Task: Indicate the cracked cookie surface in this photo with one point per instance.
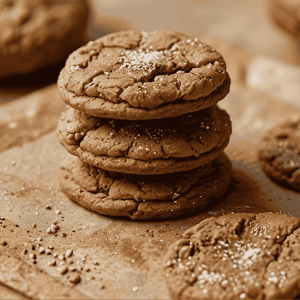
(34, 32)
(144, 197)
(237, 256)
(143, 75)
(279, 153)
(136, 146)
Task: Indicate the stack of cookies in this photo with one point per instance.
(143, 125)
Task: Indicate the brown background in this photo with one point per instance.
(130, 253)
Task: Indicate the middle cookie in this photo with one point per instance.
(146, 147)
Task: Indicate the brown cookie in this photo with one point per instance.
(144, 197)
(279, 153)
(39, 33)
(146, 147)
(286, 14)
(237, 256)
(143, 75)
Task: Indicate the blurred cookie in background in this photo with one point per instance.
(286, 14)
(39, 33)
(279, 153)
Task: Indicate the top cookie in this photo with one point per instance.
(143, 75)
(38, 33)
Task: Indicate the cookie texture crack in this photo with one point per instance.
(236, 256)
(145, 197)
(189, 136)
(279, 153)
(98, 106)
(177, 68)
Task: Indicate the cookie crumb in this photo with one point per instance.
(52, 262)
(69, 253)
(74, 278)
(62, 270)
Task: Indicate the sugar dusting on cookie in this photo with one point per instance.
(225, 263)
(141, 60)
(146, 70)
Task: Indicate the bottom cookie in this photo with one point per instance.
(148, 196)
(237, 256)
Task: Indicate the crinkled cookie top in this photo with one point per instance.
(145, 69)
(237, 256)
(141, 188)
(185, 136)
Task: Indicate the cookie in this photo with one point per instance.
(237, 256)
(146, 147)
(39, 33)
(144, 197)
(286, 14)
(279, 153)
(143, 75)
